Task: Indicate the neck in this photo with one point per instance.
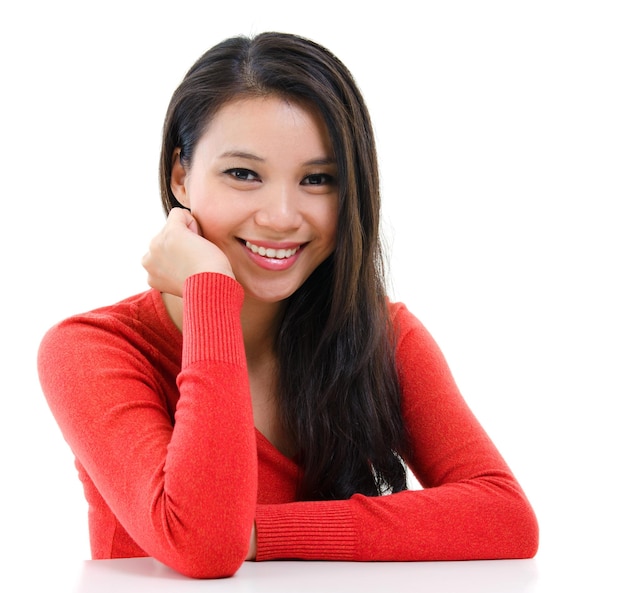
(259, 323)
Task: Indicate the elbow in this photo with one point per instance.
(209, 558)
(520, 534)
(217, 563)
(529, 533)
(210, 570)
(507, 526)
(212, 545)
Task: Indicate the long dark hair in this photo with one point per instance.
(338, 390)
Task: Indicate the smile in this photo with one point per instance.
(270, 252)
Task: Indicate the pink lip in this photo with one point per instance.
(274, 264)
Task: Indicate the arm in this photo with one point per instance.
(471, 506)
(185, 492)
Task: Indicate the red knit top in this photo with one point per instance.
(161, 425)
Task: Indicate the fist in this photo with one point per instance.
(179, 251)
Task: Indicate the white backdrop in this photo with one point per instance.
(501, 131)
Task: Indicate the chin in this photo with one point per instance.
(268, 299)
(269, 295)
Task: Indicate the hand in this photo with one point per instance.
(179, 251)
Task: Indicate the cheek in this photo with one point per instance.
(215, 230)
(215, 216)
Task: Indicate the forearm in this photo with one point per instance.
(481, 519)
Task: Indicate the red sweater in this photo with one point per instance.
(172, 466)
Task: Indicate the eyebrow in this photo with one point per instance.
(253, 157)
(240, 154)
(322, 161)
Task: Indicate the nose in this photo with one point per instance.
(279, 209)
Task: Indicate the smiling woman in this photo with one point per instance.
(264, 398)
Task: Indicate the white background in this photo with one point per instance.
(501, 131)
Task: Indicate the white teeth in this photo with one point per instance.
(270, 252)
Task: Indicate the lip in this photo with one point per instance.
(273, 264)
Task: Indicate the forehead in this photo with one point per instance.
(269, 123)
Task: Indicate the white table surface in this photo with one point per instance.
(139, 575)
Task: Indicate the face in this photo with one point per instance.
(262, 186)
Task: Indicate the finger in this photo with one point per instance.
(183, 216)
(194, 226)
(177, 215)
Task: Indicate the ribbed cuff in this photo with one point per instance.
(211, 323)
(306, 530)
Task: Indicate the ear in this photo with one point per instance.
(177, 180)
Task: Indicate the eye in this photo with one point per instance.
(242, 174)
(318, 179)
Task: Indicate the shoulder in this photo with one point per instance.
(416, 349)
(126, 316)
(406, 324)
(137, 325)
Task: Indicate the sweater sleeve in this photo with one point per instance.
(185, 491)
(470, 507)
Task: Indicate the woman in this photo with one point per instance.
(264, 398)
